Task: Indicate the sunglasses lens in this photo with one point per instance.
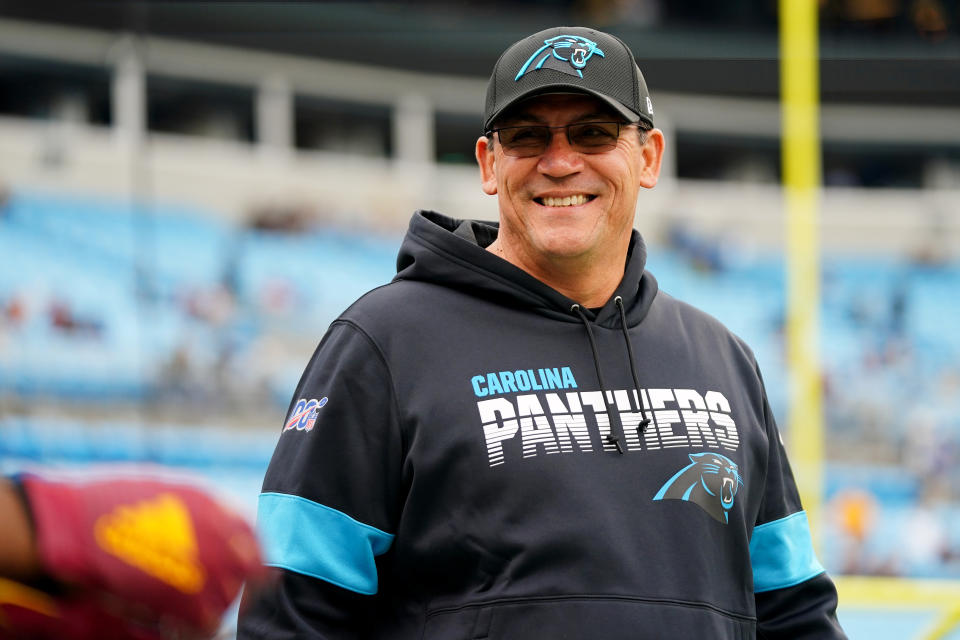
(524, 141)
(594, 136)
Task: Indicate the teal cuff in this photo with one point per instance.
(314, 540)
(782, 553)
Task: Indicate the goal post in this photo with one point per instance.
(800, 155)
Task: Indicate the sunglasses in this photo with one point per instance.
(533, 139)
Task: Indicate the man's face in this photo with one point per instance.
(536, 226)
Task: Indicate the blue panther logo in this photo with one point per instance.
(559, 52)
(711, 481)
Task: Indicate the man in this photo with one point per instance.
(117, 557)
(521, 436)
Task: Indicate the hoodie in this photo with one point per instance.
(471, 454)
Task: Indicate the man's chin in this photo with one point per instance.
(565, 247)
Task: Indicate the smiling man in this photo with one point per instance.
(522, 436)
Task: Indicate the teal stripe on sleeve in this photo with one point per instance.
(310, 538)
(782, 553)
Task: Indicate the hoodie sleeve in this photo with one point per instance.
(795, 598)
(330, 501)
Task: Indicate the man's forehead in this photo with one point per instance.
(570, 106)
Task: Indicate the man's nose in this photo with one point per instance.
(559, 159)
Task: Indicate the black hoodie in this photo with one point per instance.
(471, 454)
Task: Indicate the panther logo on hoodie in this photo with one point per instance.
(711, 481)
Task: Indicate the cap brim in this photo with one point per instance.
(628, 114)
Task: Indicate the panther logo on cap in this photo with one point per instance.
(567, 54)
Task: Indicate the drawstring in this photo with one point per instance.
(593, 344)
(611, 437)
(633, 368)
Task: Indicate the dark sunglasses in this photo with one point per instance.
(529, 140)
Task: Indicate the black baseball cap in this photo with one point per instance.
(569, 60)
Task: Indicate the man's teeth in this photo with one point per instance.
(566, 201)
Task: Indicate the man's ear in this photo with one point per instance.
(651, 155)
(488, 177)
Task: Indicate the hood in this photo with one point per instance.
(451, 253)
